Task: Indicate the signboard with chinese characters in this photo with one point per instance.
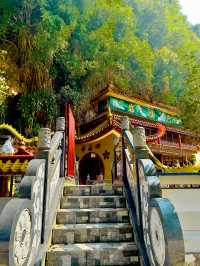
(137, 110)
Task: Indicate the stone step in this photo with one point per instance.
(93, 215)
(105, 189)
(90, 233)
(93, 254)
(84, 202)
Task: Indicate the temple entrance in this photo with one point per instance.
(91, 169)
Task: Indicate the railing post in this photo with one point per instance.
(125, 124)
(139, 137)
(44, 141)
(139, 143)
(60, 126)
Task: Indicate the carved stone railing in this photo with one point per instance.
(26, 222)
(156, 224)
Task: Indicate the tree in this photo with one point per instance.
(3, 83)
(190, 100)
(147, 48)
(104, 47)
(34, 32)
(4, 88)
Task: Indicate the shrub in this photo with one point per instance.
(37, 109)
(3, 110)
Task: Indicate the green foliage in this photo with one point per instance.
(103, 47)
(34, 32)
(3, 111)
(3, 82)
(147, 48)
(37, 109)
(190, 107)
(69, 95)
(4, 88)
(190, 100)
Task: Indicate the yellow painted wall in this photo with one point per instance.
(99, 147)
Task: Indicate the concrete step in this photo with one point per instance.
(93, 215)
(84, 202)
(105, 189)
(90, 233)
(93, 254)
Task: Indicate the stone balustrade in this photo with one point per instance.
(26, 221)
(165, 207)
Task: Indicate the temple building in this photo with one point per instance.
(98, 141)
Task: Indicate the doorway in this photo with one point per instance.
(90, 167)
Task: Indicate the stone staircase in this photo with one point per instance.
(92, 228)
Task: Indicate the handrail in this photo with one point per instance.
(131, 203)
(154, 219)
(36, 202)
(55, 142)
(135, 224)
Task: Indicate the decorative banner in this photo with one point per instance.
(71, 143)
(154, 114)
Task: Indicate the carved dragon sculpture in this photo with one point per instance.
(15, 133)
(195, 167)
